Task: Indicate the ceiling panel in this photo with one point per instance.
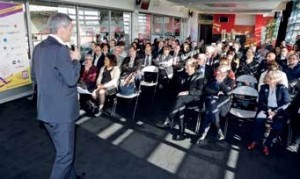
(232, 6)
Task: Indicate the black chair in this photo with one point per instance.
(135, 96)
(243, 107)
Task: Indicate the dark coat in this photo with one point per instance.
(194, 84)
(56, 76)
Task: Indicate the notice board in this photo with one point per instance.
(14, 61)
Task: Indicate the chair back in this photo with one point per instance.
(244, 102)
(247, 79)
(150, 68)
(150, 74)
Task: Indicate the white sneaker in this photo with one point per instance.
(220, 135)
(98, 113)
(293, 148)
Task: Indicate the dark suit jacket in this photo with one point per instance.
(194, 84)
(100, 62)
(125, 66)
(142, 58)
(282, 97)
(56, 76)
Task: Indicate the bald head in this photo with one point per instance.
(271, 57)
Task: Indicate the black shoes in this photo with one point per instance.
(164, 124)
(179, 137)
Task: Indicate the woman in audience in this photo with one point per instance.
(88, 74)
(249, 66)
(273, 100)
(107, 81)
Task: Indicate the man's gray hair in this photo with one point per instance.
(58, 20)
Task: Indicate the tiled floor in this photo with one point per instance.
(116, 148)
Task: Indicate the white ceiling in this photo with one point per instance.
(232, 6)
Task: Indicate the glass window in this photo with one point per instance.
(177, 25)
(120, 26)
(158, 27)
(103, 36)
(144, 21)
(168, 26)
(39, 15)
(89, 25)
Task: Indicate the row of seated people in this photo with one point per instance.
(124, 77)
(273, 106)
(268, 56)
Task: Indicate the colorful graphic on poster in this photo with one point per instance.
(14, 62)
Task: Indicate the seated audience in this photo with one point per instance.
(273, 66)
(88, 75)
(216, 92)
(273, 100)
(204, 70)
(248, 66)
(107, 81)
(191, 90)
(164, 63)
(130, 78)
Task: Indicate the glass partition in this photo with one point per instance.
(144, 21)
(120, 26)
(39, 15)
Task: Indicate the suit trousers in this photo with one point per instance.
(63, 139)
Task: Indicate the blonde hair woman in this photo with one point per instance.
(273, 100)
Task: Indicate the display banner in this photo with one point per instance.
(14, 62)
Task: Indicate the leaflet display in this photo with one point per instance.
(14, 61)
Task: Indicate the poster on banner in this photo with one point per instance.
(14, 61)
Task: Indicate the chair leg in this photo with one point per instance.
(198, 123)
(290, 135)
(152, 100)
(226, 126)
(135, 106)
(113, 110)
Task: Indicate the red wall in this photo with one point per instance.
(218, 26)
(259, 23)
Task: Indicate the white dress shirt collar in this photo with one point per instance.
(58, 39)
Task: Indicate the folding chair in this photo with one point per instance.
(247, 79)
(195, 109)
(150, 74)
(244, 105)
(130, 97)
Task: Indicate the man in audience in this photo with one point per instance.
(117, 53)
(216, 93)
(97, 62)
(191, 90)
(204, 70)
(212, 58)
(282, 59)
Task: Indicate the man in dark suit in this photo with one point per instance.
(190, 92)
(98, 61)
(204, 70)
(56, 70)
